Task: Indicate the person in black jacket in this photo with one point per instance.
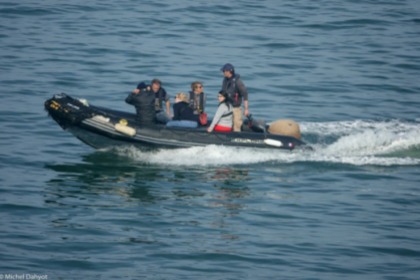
(144, 101)
(160, 97)
(182, 110)
(183, 114)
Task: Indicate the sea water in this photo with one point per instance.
(346, 71)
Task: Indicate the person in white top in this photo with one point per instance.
(223, 119)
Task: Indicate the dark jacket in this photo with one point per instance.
(236, 89)
(145, 106)
(160, 95)
(182, 111)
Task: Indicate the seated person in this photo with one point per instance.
(183, 114)
(197, 98)
(160, 97)
(223, 119)
(144, 101)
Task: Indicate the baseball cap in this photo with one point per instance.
(227, 67)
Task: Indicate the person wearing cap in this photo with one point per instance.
(222, 120)
(143, 99)
(237, 92)
(160, 97)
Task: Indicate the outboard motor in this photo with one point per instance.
(255, 125)
(67, 111)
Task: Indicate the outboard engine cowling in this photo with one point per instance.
(66, 110)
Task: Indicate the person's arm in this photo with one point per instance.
(246, 111)
(244, 93)
(130, 98)
(168, 107)
(167, 101)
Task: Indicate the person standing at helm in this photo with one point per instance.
(237, 92)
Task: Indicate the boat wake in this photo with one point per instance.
(382, 143)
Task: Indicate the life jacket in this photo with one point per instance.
(158, 99)
(235, 95)
(200, 105)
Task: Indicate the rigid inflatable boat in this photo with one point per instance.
(102, 128)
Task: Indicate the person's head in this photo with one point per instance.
(141, 86)
(197, 87)
(156, 84)
(228, 70)
(180, 96)
(222, 96)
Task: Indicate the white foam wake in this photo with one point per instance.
(350, 142)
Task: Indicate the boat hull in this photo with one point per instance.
(102, 128)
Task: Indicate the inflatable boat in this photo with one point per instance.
(102, 128)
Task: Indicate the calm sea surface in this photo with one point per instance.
(346, 70)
